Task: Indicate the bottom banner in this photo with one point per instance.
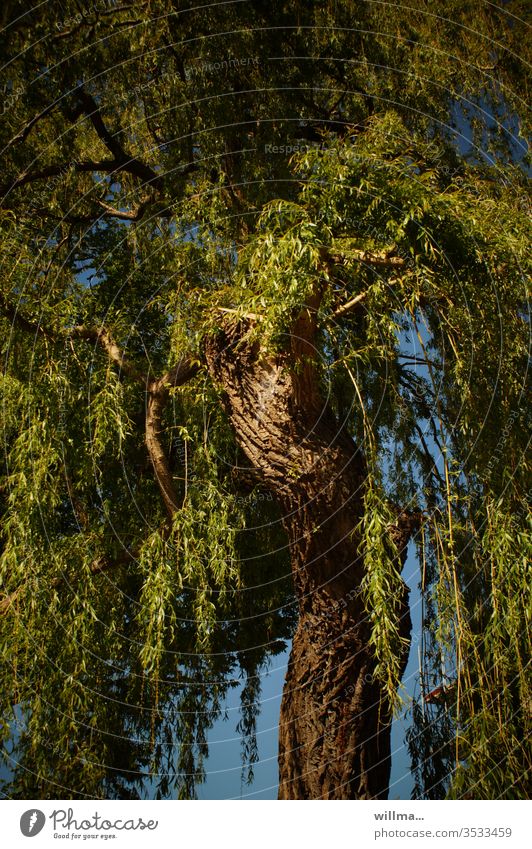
(229, 825)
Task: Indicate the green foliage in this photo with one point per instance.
(383, 592)
(494, 683)
(122, 632)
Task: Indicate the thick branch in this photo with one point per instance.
(406, 525)
(161, 467)
(108, 212)
(158, 393)
(92, 111)
(123, 159)
(252, 316)
(107, 165)
(15, 317)
(179, 374)
(383, 259)
(99, 336)
(350, 305)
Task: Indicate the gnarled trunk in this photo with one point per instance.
(334, 733)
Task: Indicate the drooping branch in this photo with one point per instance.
(157, 395)
(15, 317)
(99, 564)
(157, 390)
(100, 336)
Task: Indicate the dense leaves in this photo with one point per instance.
(168, 170)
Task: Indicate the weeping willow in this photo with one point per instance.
(144, 567)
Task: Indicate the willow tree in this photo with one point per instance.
(264, 313)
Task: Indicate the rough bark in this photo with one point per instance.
(334, 734)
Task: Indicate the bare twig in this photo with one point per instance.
(128, 215)
(349, 305)
(24, 133)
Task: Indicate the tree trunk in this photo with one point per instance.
(334, 732)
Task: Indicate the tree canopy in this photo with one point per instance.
(336, 194)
